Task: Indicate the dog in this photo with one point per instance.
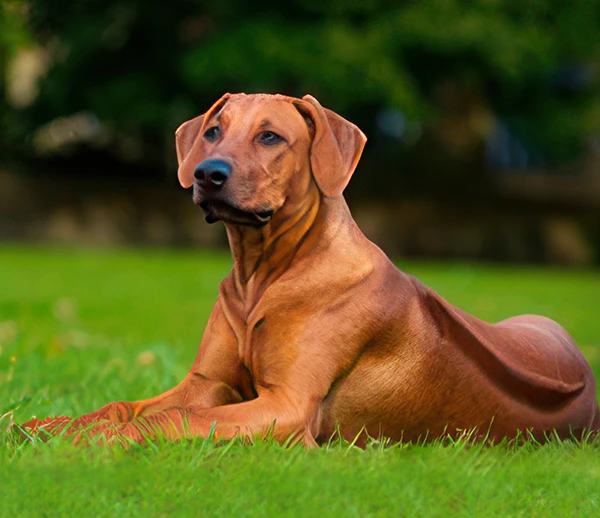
(315, 332)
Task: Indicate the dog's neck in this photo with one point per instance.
(261, 255)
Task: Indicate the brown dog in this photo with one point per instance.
(315, 330)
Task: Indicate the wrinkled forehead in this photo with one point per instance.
(272, 112)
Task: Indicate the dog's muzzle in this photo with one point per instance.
(217, 208)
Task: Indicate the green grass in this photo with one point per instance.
(81, 328)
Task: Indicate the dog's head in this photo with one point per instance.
(250, 154)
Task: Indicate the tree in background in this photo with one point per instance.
(430, 81)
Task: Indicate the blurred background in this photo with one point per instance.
(483, 117)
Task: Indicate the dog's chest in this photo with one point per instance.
(248, 345)
(265, 346)
(249, 330)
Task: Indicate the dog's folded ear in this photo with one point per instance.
(336, 147)
(185, 140)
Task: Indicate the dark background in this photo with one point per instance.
(483, 117)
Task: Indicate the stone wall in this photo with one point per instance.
(115, 212)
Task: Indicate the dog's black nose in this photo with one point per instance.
(212, 173)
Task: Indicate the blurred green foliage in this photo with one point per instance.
(142, 68)
(14, 33)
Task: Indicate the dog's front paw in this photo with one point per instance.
(43, 428)
(117, 412)
(107, 433)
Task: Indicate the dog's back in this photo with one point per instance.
(436, 369)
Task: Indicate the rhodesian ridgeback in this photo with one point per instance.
(315, 332)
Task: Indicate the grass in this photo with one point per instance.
(82, 328)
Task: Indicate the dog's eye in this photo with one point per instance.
(269, 138)
(212, 134)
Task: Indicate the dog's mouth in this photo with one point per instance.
(218, 210)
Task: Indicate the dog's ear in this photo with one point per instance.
(185, 138)
(336, 147)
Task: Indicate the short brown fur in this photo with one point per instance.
(315, 330)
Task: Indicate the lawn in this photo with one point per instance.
(79, 328)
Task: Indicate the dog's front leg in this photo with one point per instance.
(211, 381)
(195, 390)
(271, 415)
